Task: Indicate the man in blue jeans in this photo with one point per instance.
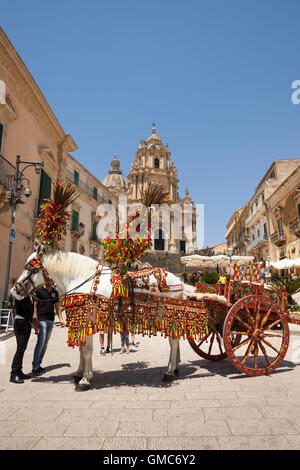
(46, 299)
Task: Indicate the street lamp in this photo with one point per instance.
(14, 195)
(268, 270)
(230, 251)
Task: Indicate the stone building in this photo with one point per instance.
(28, 128)
(285, 218)
(236, 234)
(257, 228)
(219, 249)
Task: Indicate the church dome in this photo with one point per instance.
(115, 181)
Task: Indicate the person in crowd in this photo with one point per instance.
(46, 303)
(223, 278)
(23, 322)
(132, 332)
(103, 351)
(124, 342)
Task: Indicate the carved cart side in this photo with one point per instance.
(251, 328)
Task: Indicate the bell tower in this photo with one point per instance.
(152, 165)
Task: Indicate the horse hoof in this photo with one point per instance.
(82, 387)
(168, 378)
(75, 379)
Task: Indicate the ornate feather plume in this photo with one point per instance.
(54, 217)
(133, 239)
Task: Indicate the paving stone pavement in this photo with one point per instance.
(210, 406)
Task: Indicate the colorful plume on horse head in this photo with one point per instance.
(134, 238)
(54, 217)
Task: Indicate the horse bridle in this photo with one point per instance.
(35, 264)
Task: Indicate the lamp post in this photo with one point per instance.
(14, 195)
(230, 251)
(268, 270)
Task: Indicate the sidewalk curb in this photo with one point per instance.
(6, 335)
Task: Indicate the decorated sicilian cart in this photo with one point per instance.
(250, 326)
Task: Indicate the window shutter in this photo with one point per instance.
(1, 135)
(76, 178)
(280, 229)
(95, 193)
(95, 230)
(74, 220)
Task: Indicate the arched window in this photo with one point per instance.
(156, 163)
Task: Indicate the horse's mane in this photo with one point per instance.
(69, 264)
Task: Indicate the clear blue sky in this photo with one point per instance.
(215, 76)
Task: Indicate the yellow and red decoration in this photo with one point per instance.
(171, 317)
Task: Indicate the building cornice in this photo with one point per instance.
(288, 184)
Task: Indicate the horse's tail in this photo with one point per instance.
(188, 291)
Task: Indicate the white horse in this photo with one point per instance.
(69, 270)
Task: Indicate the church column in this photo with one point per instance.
(136, 187)
(172, 244)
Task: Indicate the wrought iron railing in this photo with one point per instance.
(278, 239)
(7, 172)
(263, 238)
(295, 226)
(84, 187)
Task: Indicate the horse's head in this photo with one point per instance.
(31, 275)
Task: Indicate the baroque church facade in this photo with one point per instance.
(152, 164)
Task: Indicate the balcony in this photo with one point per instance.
(85, 188)
(295, 227)
(278, 239)
(255, 210)
(7, 172)
(258, 242)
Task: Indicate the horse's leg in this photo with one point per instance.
(170, 374)
(87, 351)
(80, 371)
(176, 372)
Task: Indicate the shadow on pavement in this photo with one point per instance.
(139, 374)
(135, 374)
(226, 369)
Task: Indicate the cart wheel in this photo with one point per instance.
(264, 335)
(211, 343)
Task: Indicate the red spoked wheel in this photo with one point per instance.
(211, 346)
(264, 335)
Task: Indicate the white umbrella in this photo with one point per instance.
(238, 260)
(296, 263)
(212, 261)
(284, 263)
(198, 261)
